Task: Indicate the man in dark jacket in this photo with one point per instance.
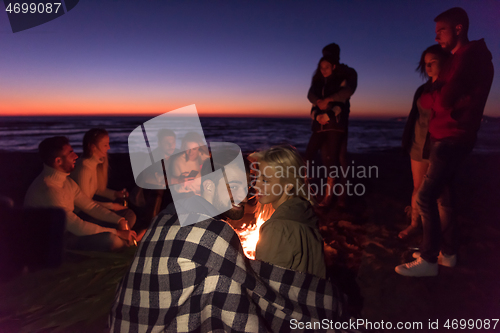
(330, 113)
(346, 77)
(458, 104)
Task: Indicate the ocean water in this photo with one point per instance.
(251, 134)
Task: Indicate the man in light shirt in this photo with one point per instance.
(53, 188)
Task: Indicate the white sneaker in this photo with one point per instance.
(418, 267)
(443, 259)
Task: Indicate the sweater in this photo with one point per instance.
(464, 84)
(53, 188)
(85, 175)
(291, 239)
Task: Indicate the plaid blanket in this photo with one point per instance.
(196, 279)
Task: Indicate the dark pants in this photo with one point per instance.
(333, 146)
(436, 199)
(156, 201)
(102, 242)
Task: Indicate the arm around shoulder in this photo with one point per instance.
(311, 95)
(348, 86)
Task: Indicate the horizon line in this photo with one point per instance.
(210, 115)
(200, 115)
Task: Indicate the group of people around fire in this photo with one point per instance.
(195, 277)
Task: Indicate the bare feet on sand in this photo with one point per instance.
(409, 231)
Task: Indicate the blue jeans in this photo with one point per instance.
(436, 199)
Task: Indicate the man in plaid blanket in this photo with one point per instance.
(196, 278)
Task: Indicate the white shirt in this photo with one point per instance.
(85, 175)
(53, 188)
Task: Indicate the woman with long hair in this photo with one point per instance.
(91, 173)
(290, 238)
(416, 136)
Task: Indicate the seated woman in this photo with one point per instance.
(186, 166)
(290, 238)
(91, 173)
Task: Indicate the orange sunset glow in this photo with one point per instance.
(263, 107)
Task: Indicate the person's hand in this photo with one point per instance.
(323, 119)
(117, 207)
(326, 119)
(320, 119)
(337, 110)
(185, 177)
(322, 104)
(160, 179)
(127, 235)
(123, 194)
(122, 224)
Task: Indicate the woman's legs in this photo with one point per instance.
(102, 242)
(333, 153)
(343, 165)
(418, 171)
(315, 143)
(333, 146)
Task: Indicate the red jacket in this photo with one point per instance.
(463, 87)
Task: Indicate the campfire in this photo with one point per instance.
(249, 233)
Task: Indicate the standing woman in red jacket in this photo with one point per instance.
(416, 134)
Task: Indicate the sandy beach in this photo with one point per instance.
(364, 248)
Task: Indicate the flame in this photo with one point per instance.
(249, 234)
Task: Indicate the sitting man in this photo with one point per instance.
(166, 144)
(164, 151)
(190, 273)
(152, 193)
(53, 188)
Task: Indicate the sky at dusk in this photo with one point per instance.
(227, 57)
